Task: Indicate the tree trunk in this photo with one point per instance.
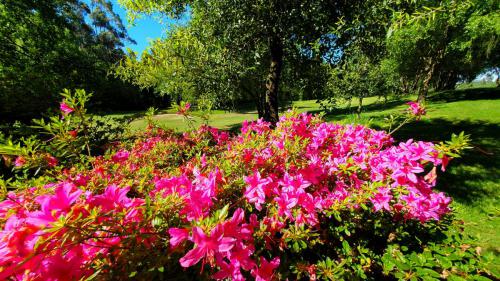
(497, 81)
(178, 99)
(260, 105)
(422, 94)
(447, 81)
(360, 107)
(272, 85)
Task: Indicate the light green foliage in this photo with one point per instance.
(441, 42)
(186, 66)
(244, 44)
(358, 78)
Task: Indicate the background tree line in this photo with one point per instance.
(48, 45)
(265, 51)
(242, 53)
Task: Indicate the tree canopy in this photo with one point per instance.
(444, 42)
(48, 45)
(257, 44)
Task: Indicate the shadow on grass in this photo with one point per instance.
(473, 177)
(466, 94)
(438, 97)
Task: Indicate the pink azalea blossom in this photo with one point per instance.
(256, 189)
(272, 180)
(266, 270)
(177, 236)
(416, 109)
(121, 156)
(381, 199)
(207, 246)
(20, 161)
(65, 109)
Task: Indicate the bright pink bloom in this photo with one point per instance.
(65, 195)
(207, 246)
(381, 199)
(177, 236)
(121, 156)
(20, 161)
(256, 189)
(229, 271)
(66, 109)
(416, 109)
(266, 270)
(114, 198)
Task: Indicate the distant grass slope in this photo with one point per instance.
(473, 180)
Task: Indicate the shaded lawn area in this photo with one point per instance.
(473, 180)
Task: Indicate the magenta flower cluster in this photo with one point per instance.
(416, 109)
(232, 200)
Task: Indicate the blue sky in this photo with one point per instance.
(142, 31)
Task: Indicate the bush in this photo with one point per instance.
(62, 140)
(307, 199)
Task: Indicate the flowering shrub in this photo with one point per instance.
(66, 138)
(416, 109)
(307, 199)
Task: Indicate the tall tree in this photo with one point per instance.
(441, 42)
(270, 30)
(48, 45)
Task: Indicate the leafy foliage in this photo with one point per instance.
(64, 139)
(247, 49)
(307, 199)
(443, 42)
(48, 45)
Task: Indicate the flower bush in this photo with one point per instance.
(64, 139)
(307, 199)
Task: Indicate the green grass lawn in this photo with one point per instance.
(473, 180)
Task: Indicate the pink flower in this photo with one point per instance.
(81, 180)
(65, 109)
(381, 199)
(230, 271)
(256, 189)
(207, 246)
(266, 270)
(51, 161)
(285, 204)
(113, 198)
(416, 109)
(73, 133)
(177, 236)
(20, 161)
(120, 156)
(52, 206)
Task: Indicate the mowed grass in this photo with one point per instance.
(473, 181)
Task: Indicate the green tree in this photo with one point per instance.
(442, 42)
(264, 37)
(48, 45)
